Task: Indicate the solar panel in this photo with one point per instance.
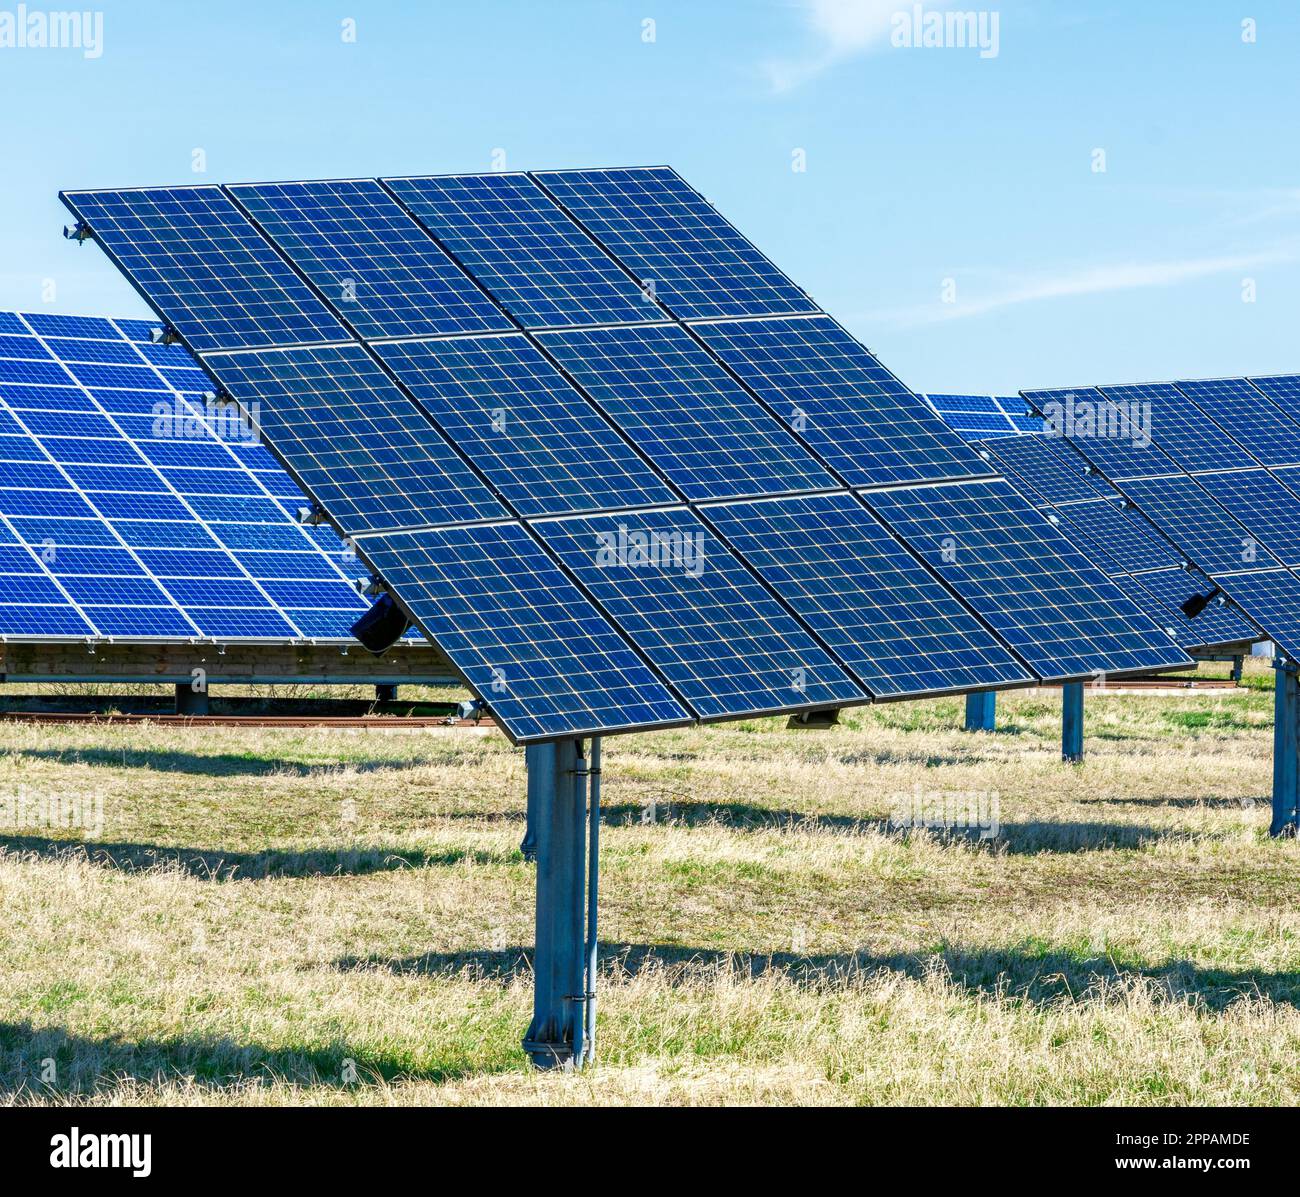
(543, 269)
(1046, 465)
(1267, 433)
(85, 518)
(675, 242)
(1198, 525)
(363, 449)
(1115, 435)
(686, 413)
(1271, 600)
(1214, 626)
(374, 264)
(1179, 427)
(538, 440)
(195, 254)
(900, 631)
(520, 632)
(1123, 536)
(1270, 510)
(845, 404)
(1041, 595)
(1283, 390)
(388, 438)
(693, 609)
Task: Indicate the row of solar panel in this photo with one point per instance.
(129, 508)
(980, 416)
(409, 446)
(1212, 465)
(1094, 518)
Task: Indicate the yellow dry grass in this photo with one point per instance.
(271, 917)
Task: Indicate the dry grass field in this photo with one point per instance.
(271, 917)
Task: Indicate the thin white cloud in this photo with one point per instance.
(1096, 280)
(841, 29)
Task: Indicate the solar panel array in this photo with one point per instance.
(130, 508)
(636, 502)
(1094, 517)
(1210, 464)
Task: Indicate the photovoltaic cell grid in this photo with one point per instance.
(1137, 559)
(527, 254)
(1235, 519)
(292, 388)
(536, 438)
(978, 416)
(194, 253)
(130, 509)
(379, 269)
(1040, 594)
(898, 629)
(675, 243)
(686, 413)
(857, 416)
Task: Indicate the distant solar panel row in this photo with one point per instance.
(1210, 464)
(979, 416)
(585, 433)
(1091, 514)
(130, 509)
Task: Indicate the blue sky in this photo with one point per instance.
(926, 168)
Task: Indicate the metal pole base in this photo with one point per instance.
(558, 774)
(982, 712)
(815, 720)
(1286, 752)
(1072, 723)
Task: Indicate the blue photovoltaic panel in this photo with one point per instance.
(375, 265)
(673, 240)
(197, 256)
(1266, 432)
(1114, 435)
(520, 632)
(985, 405)
(123, 495)
(1215, 625)
(899, 630)
(1047, 465)
(538, 440)
(843, 402)
(1060, 613)
(692, 608)
(1198, 525)
(1270, 510)
(1282, 390)
(539, 265)
(1123, 536)
(686, 413)
(1179, 427)
(1270, 599)
(369, 456)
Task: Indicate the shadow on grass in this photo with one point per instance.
(248, 866)
(1015, 839)
(227, 764)
(1024, 974)
(84, 1064)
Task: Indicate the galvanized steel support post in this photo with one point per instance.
(563, 960)
(1072, 723)
(982, 712)
(1286, 751)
